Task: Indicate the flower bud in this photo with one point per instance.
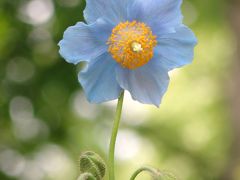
(93, 164)
(162, 175)
(168, 176)
(86, 176)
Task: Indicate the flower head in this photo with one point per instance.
(128, 45)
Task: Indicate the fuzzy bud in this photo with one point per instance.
(86, 176)
(92, 164)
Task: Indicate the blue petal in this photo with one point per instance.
(160, 15)
(114, 11)
(177, 49)
(99, 79)
(83, 42)
(146, 84)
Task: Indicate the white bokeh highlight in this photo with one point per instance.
(37, 12)
(25, 125)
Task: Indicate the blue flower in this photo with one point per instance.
(128, 45)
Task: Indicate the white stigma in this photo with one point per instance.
(136, 47)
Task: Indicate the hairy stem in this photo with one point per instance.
(150, 170)
(114, 137)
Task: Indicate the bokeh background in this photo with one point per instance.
(46, 122)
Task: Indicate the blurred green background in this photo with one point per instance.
(46, 122)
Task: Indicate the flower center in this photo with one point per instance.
(131, 44)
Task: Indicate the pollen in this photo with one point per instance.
(131, 44)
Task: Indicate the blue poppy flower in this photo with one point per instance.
(128, 45)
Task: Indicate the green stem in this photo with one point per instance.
(114, 136)
(152, 171)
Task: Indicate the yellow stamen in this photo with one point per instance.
(131, 44)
